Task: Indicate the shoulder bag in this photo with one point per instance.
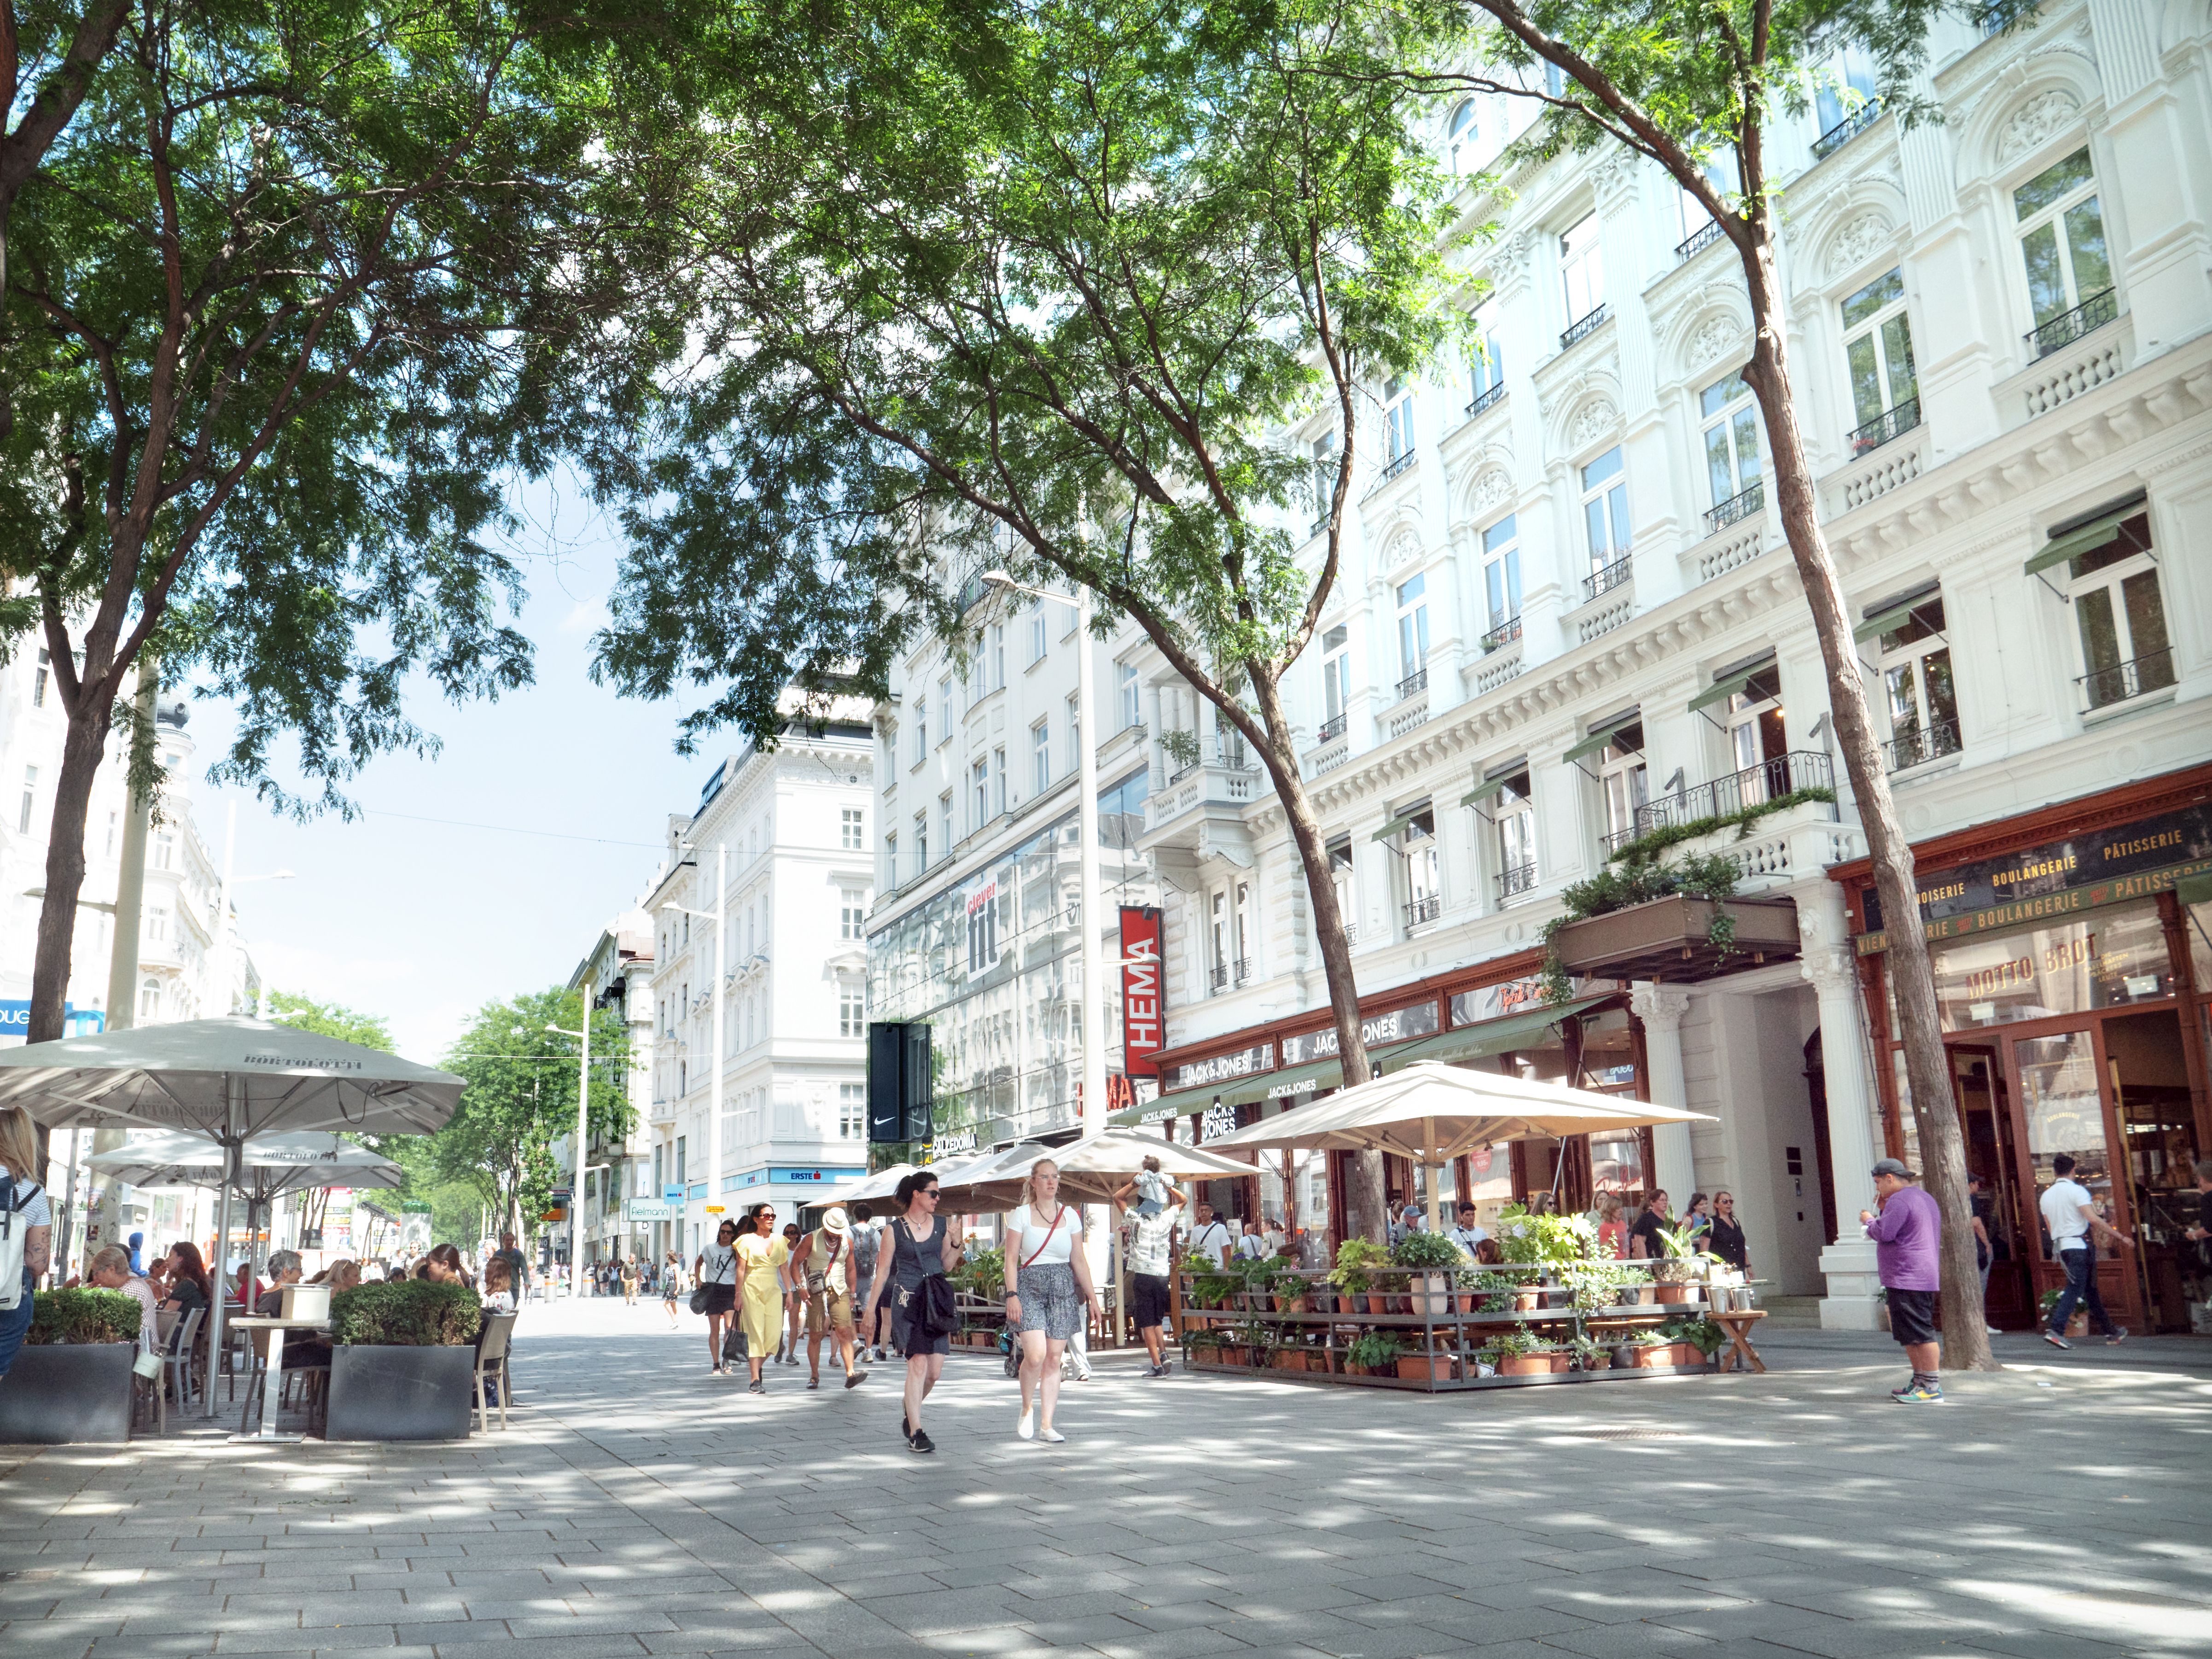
(931, 1308)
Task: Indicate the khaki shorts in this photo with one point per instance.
(829, 1309)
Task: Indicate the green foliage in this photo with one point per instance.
(406, 1312)
(1357, 1259)
(1420, 1248)
(1531, 1239)
(1647, 847)
(1376, 1350)
(331, 1019)
(1638, 881)
(88, 1314)
(1512, 1342)
(982, 1273)
(1678, 1243)
(1182, 746)
(1702, 1334)
(1598, 1283)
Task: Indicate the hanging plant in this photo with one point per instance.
(1633, 881)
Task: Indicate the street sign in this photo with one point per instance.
(556, 1214)
(413, 1206)
(713, 1209)
(649, 1209)
(559, 1193)
(673, 1193)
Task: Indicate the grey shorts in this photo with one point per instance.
(1051, 1301)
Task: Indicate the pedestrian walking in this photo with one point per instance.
(630, 1281)
(1250, 1245)
(1908, 1237)
(2201, 1234)
(1212, 1238)
(867, 1239)
(825, 1265)
(716, 1270)
(671, 1286)
(793, 1293)
(2069, 1214)
(1698, 1220)
(1725, 1238)
(1982, 1212)
(763, 1264)
(518, 1264)
(1151, 1262)
(27, 1227)
(920, 1244)
(1048, 1293)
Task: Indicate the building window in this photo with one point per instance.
(149, 999)
(1581, 265)
(114, 820)
(157, 924)
(921, 841)
(39, 679)
(1605, 511)
(852, 913)
(1622, 779)
(852, 1009)
(1246, 959)
(1039, 639)
(1485, 367)
(1878, 353)
(1218, 927)
(2061, 244)
(944, 824)
(1413, 633)
(1397, 424)
(1417, 856)
(945, 709)
(679, 1160)
(1730, 420)
(1340, 879)
(1335, 682)
(1501, 582)
(979, 780)
(1462, 136)
(1915, 680)
(30, 800)
(1324, 477)
(1126, 686)
(1845, 87)
(1515, 820)
(852, 828)
(1040, 757)
(1074, 732)
(998, 781)
(998, 656)
(851, 1110)
(920, 730)
(2119, 615)
(1759, 744)
(890, 857)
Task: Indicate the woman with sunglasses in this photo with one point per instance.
(922, 1242)
(1725, 1239)
(715, 1272)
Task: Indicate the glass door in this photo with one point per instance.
(1977, 1084)
(2058, 1080)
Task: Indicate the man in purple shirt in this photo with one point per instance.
(1907, 1235)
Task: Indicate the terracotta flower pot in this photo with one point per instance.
(1677, 1295)
(1600, 1361)
(1654, 1356)
(1467, 1301)
(1428, 1367)
(1524, 1365)
(1560, 1362)
(1528, 1299)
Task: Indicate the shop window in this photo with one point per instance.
(1501, 583)
(1623, 781)
(2064, 1111)
(2119, 618)
(1581, 273)
(1757, 744)
(1419, 873)
(2061, 247)
(1605, 516)
(1412, 636)
(2116, 958)
(1915, 664)
(1335, 682)
(1729, 417)
(1878, 357)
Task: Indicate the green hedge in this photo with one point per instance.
(407, 1313)
(84, 1315)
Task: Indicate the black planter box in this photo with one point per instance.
(68, 1394)
(401, 1394)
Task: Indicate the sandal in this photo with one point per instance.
(813, 1382)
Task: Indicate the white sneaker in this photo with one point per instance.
(1026, 1429)
(1051, 1437)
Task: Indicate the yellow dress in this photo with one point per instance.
(763, 1308)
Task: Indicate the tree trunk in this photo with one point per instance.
(1943, 1144)
(1366, 1200)
(84, 745)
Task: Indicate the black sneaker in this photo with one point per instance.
(2056, 1341)
(921, 1442)
(853, 1379)
(2117, 1337)
(906, 1428)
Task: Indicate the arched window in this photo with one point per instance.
(149, 999)
(1459, 140)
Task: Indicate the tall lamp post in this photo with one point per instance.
(583, 1144)
(1086, 765)
(720, 918)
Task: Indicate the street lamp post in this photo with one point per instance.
(721, 920)
(583, 1143)
(223, 906)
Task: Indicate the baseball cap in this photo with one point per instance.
(1890, 1166)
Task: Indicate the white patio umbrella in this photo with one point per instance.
(884, 1183)
(230, 1080)
(1431, 1112)
(1090, 1168)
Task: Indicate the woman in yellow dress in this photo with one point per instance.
(761, 1252)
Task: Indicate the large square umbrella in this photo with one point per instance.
(1090, 1168)
(1431, 1112)
(229, 1080)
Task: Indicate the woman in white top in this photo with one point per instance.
(29, 1211)
(1048, 1289)
(715, 1271)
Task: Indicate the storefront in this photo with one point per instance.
(1492, 1017)
(2072, 960)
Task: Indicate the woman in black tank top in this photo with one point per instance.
(921, 1244)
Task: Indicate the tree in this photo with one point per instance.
(521, 1094)
(331, 1019)
(1035, 288)
(1684, 83)
(288, 294)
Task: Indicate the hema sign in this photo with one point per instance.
(1143, 1024)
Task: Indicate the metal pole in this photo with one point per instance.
(222, 1240)
(583, 1141)
(1094, 972)
(130, 877)
(714, 1074)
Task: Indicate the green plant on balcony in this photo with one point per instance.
(1180, 746)
(1636, 881)
(1357, 1260)
(1648, 846)
(1375, 1350)
(1427, 1250)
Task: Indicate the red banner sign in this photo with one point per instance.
(1144, 1029)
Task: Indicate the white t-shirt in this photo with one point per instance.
(38, 1212)
(2062, 1204)
(1466, 1238)
(718, 1265)
(1211, 1240)
(1152, 1243)
(1250, 1247)
(1033, 1241)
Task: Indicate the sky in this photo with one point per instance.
(423, 922)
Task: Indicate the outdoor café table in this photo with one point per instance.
(267, 1322)
(1737, 1323)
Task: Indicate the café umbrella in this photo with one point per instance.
(1091, 1169)
(1430, 1112)
(231, 1079)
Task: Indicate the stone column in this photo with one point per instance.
(1660, 1009)
(1828, 964)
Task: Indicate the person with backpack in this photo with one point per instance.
(27, 1228)
(925, 1248)
(823, 1263)
(1048, 1292)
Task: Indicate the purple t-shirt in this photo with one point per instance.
(1906, 1235)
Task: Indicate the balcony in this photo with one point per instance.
(1414, 684)
(2102, 689)
(1201, 811)
(1846, 129)
(1583, 327)
(1502, 635)
(1512, 883)
(1890, 424)
(1487, 400)
(1698, 240)
(1243, 970)
(1736, 508)
(1217, 977)
(1918, 748)
(2067, 327)
(1724, 796)
(1331, 729)
(973, 591)
(1424, 910)
(1609, 577)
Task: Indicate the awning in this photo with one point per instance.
(1602, 734)
(1229, 1091)
(1491, 1036)
(1729, 684)
(1892, 617)
(2194, 890)
(1486, 789)
(1402, 823)
(2085, 539)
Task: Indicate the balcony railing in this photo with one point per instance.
(1486, 399)
(1770, 780)
(1424, 910)
(1606, 579)
(1331, 729)
(1890, 423)
(2067, 327)
(1244, 967)
(1911, 749)
(1217, 976)
(1736, 507)
(1699, 240)
(1846, 129)
(1521, 879)
(2152, 671)
(1583, 327)
(973, 591)
(1182, 772)
(1414, 684)
(1319, 522)
(1504, 634)
(1397, 465)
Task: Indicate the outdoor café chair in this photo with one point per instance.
(176, 1352)
(491, 1361)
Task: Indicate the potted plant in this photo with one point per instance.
(1591, 1355)
(403, 1361)
(1701, 1336)
(1436, 1257)
(1516, 1352)
(1437, 1365)
(1674, 1273)
(2077, 1325)
(1203, 1346)
(1372, 1354)
(1357, 1260)
(1655, 1350)
(70, 1382)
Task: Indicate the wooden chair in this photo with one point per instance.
(491, 1361)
